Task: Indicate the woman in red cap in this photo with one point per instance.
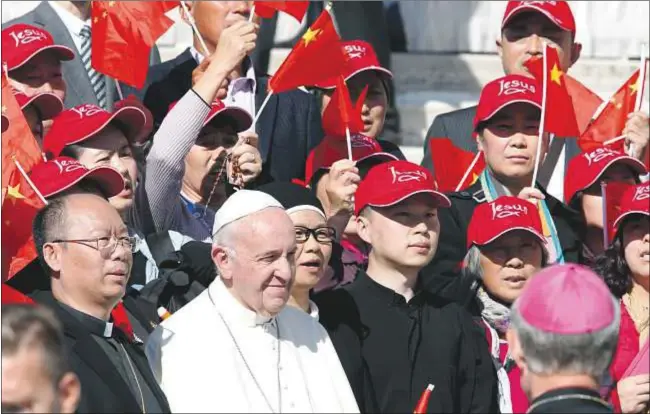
(507, 129)
(625, 266)
(582, 191)
(38, 108)
(506, 249)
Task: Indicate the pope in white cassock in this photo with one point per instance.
(237, 347)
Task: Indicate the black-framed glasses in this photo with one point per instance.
(104, 245)
(321, 234)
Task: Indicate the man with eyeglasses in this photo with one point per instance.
(85, 248)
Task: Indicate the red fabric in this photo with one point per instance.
(360, 57)
(559, 115)
(634, 200)
(18, 140)
(13, 296)
(611, 120)
(316, 57)
(612, 199)
(505, 91)
(267, 9)
(450, 164)
(626, 350)
(121, 320)
(19, 206)
(340, 114)
(559, 12)
(123, 33)
(585, 102)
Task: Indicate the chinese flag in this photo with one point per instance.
(611, 120)
(123, 33)
(612, 195)
(316, 57)
(17, 141)
(12, 296)
(585, 102)
(340, 114)
(559, 115)
(121, 320)
(267, 9)
(450, 164)
(19, 206)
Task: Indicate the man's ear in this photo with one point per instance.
(363, 227)
(576, 50)
(52, 255)
(222, 260)
(69, 393)
(499, 44)
(514, 346)
(479, 142)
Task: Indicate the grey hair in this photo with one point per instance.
(35, 327)
(472, 263)
(547, 353)
(225, 237)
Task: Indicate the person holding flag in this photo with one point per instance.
(582, 188)
(625, 267)
(288, 127)
(506, 125)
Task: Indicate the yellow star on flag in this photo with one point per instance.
(14, 192)
(310, 36)
(4, 109)
(474, 178)
(104, 14)
(634, 87)
(556, 75)
(111, 3)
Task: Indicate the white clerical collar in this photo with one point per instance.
(313, 310)
(232, 309)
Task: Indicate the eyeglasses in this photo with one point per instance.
(321, 234)
(105, 245)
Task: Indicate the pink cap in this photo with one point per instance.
(567, 300)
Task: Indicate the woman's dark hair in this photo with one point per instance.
(613, 268)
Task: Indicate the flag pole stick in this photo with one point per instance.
(119, 89)
(250, 18)
(206, 52)
(640, 83)
(30, 182)
(259, 112)
(349, 142)
(471, 167)
(603, 189)
(541, 121)
(614, 140)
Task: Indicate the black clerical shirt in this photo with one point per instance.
(114, 342)
(391, 350)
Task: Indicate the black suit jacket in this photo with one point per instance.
(102, 388)
(288, 129)
(79, 88)
(441, 276)
(458, 126)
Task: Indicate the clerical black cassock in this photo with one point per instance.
(391, 350)
(113, 370)
(570, 400)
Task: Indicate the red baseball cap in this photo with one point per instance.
(392, 182)
(243, 120)
(21, 42)
(505, 214)
(360, 57)
(332, 149)
(559, 12)
(48, 104)
(567, 299)
(635, 200)
(59, 174)
(585, 169)
(505, 91)
(82, 122)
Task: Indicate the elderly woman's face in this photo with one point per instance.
(508, 263)
(636, 245)
(312, 255)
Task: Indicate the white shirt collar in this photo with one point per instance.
(313, 310)
(73, 23)
(231, 309)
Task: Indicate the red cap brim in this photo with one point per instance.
(440, 198)
(243, 120)
(331, 83)
(64, 53)
(48, 105)
(533, 7)
(506, 231)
